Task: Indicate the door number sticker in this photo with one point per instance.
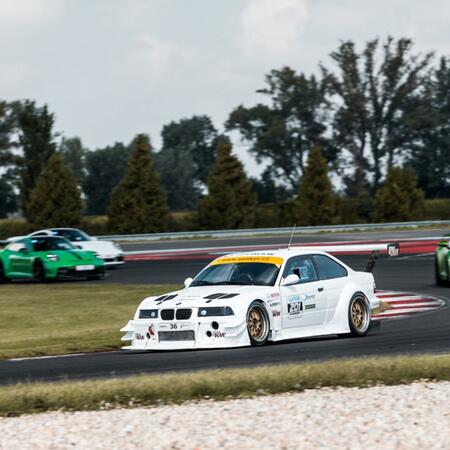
(295, 306)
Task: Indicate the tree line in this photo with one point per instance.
(365, 140)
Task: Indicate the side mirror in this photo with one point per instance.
(187, 282)
(290, 280)
(79, 247)
(23, 249)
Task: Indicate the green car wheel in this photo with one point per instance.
(439, 280)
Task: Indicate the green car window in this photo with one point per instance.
(43, 244)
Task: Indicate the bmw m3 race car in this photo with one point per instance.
(251, 298)
(46, 258)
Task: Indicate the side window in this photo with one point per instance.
(329, 268)
(302, 266)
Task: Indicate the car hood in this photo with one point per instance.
(70, 256)
(200, 296)
(101, 247)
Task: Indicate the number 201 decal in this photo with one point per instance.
(295, 308)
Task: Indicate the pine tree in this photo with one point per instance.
(316, 202)
(230, 202)
(399, 198)
(138, 204)
(55, 200)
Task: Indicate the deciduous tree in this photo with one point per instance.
(372, 90)
(105, 168)
(282, 133)
(37, 144)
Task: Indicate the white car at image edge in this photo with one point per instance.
(251, 298)
(110, 252)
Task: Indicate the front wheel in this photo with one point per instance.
(258, 326)
(38, 272)
(439, 280)
(359, 315)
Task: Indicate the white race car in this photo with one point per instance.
(110, 252)
(251, 298)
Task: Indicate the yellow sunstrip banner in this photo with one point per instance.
(249, 259)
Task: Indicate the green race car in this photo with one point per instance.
(48, 258)
(442, 263)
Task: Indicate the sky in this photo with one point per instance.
(110, 69)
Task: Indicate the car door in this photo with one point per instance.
(303, 304)
(19, 259)
(333, 277)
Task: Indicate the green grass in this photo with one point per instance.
(56, 319)
(148, 390)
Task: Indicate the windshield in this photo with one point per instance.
(44, 244)
(259, 274)
(71, 234)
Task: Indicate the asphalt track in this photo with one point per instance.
(425, 333)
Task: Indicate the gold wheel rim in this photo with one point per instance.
(358, 314)
(255, 324)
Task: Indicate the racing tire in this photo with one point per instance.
(38, 272)
(3, 278)
(359, 315)
(439, 280)
(258, 324)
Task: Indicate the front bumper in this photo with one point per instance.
(72, 273)
(111, 261)
(145, 334)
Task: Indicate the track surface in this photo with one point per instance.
(426, 333)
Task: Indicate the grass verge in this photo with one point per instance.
(148, 390)
(51, 319)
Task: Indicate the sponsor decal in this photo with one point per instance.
(275, 294)
(273, 304)
(310, 306)
(276, 313)
(151, 332)
(295, 306)
(139, 337)
(248, 259)
(219, 334)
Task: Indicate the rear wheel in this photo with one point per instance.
(359, 315)
(3, 277)
(38, 272)
(258, 326)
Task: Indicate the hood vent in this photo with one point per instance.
(163, 298)
(213, 296)
(219, 296)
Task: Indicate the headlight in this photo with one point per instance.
(215, 311)
(52, 257)
(148, 314)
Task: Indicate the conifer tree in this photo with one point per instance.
(399, 198)
(230, 202)
(55, 200)
(316, 202)
(138, 204)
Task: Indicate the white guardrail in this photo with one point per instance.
(273, 231)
